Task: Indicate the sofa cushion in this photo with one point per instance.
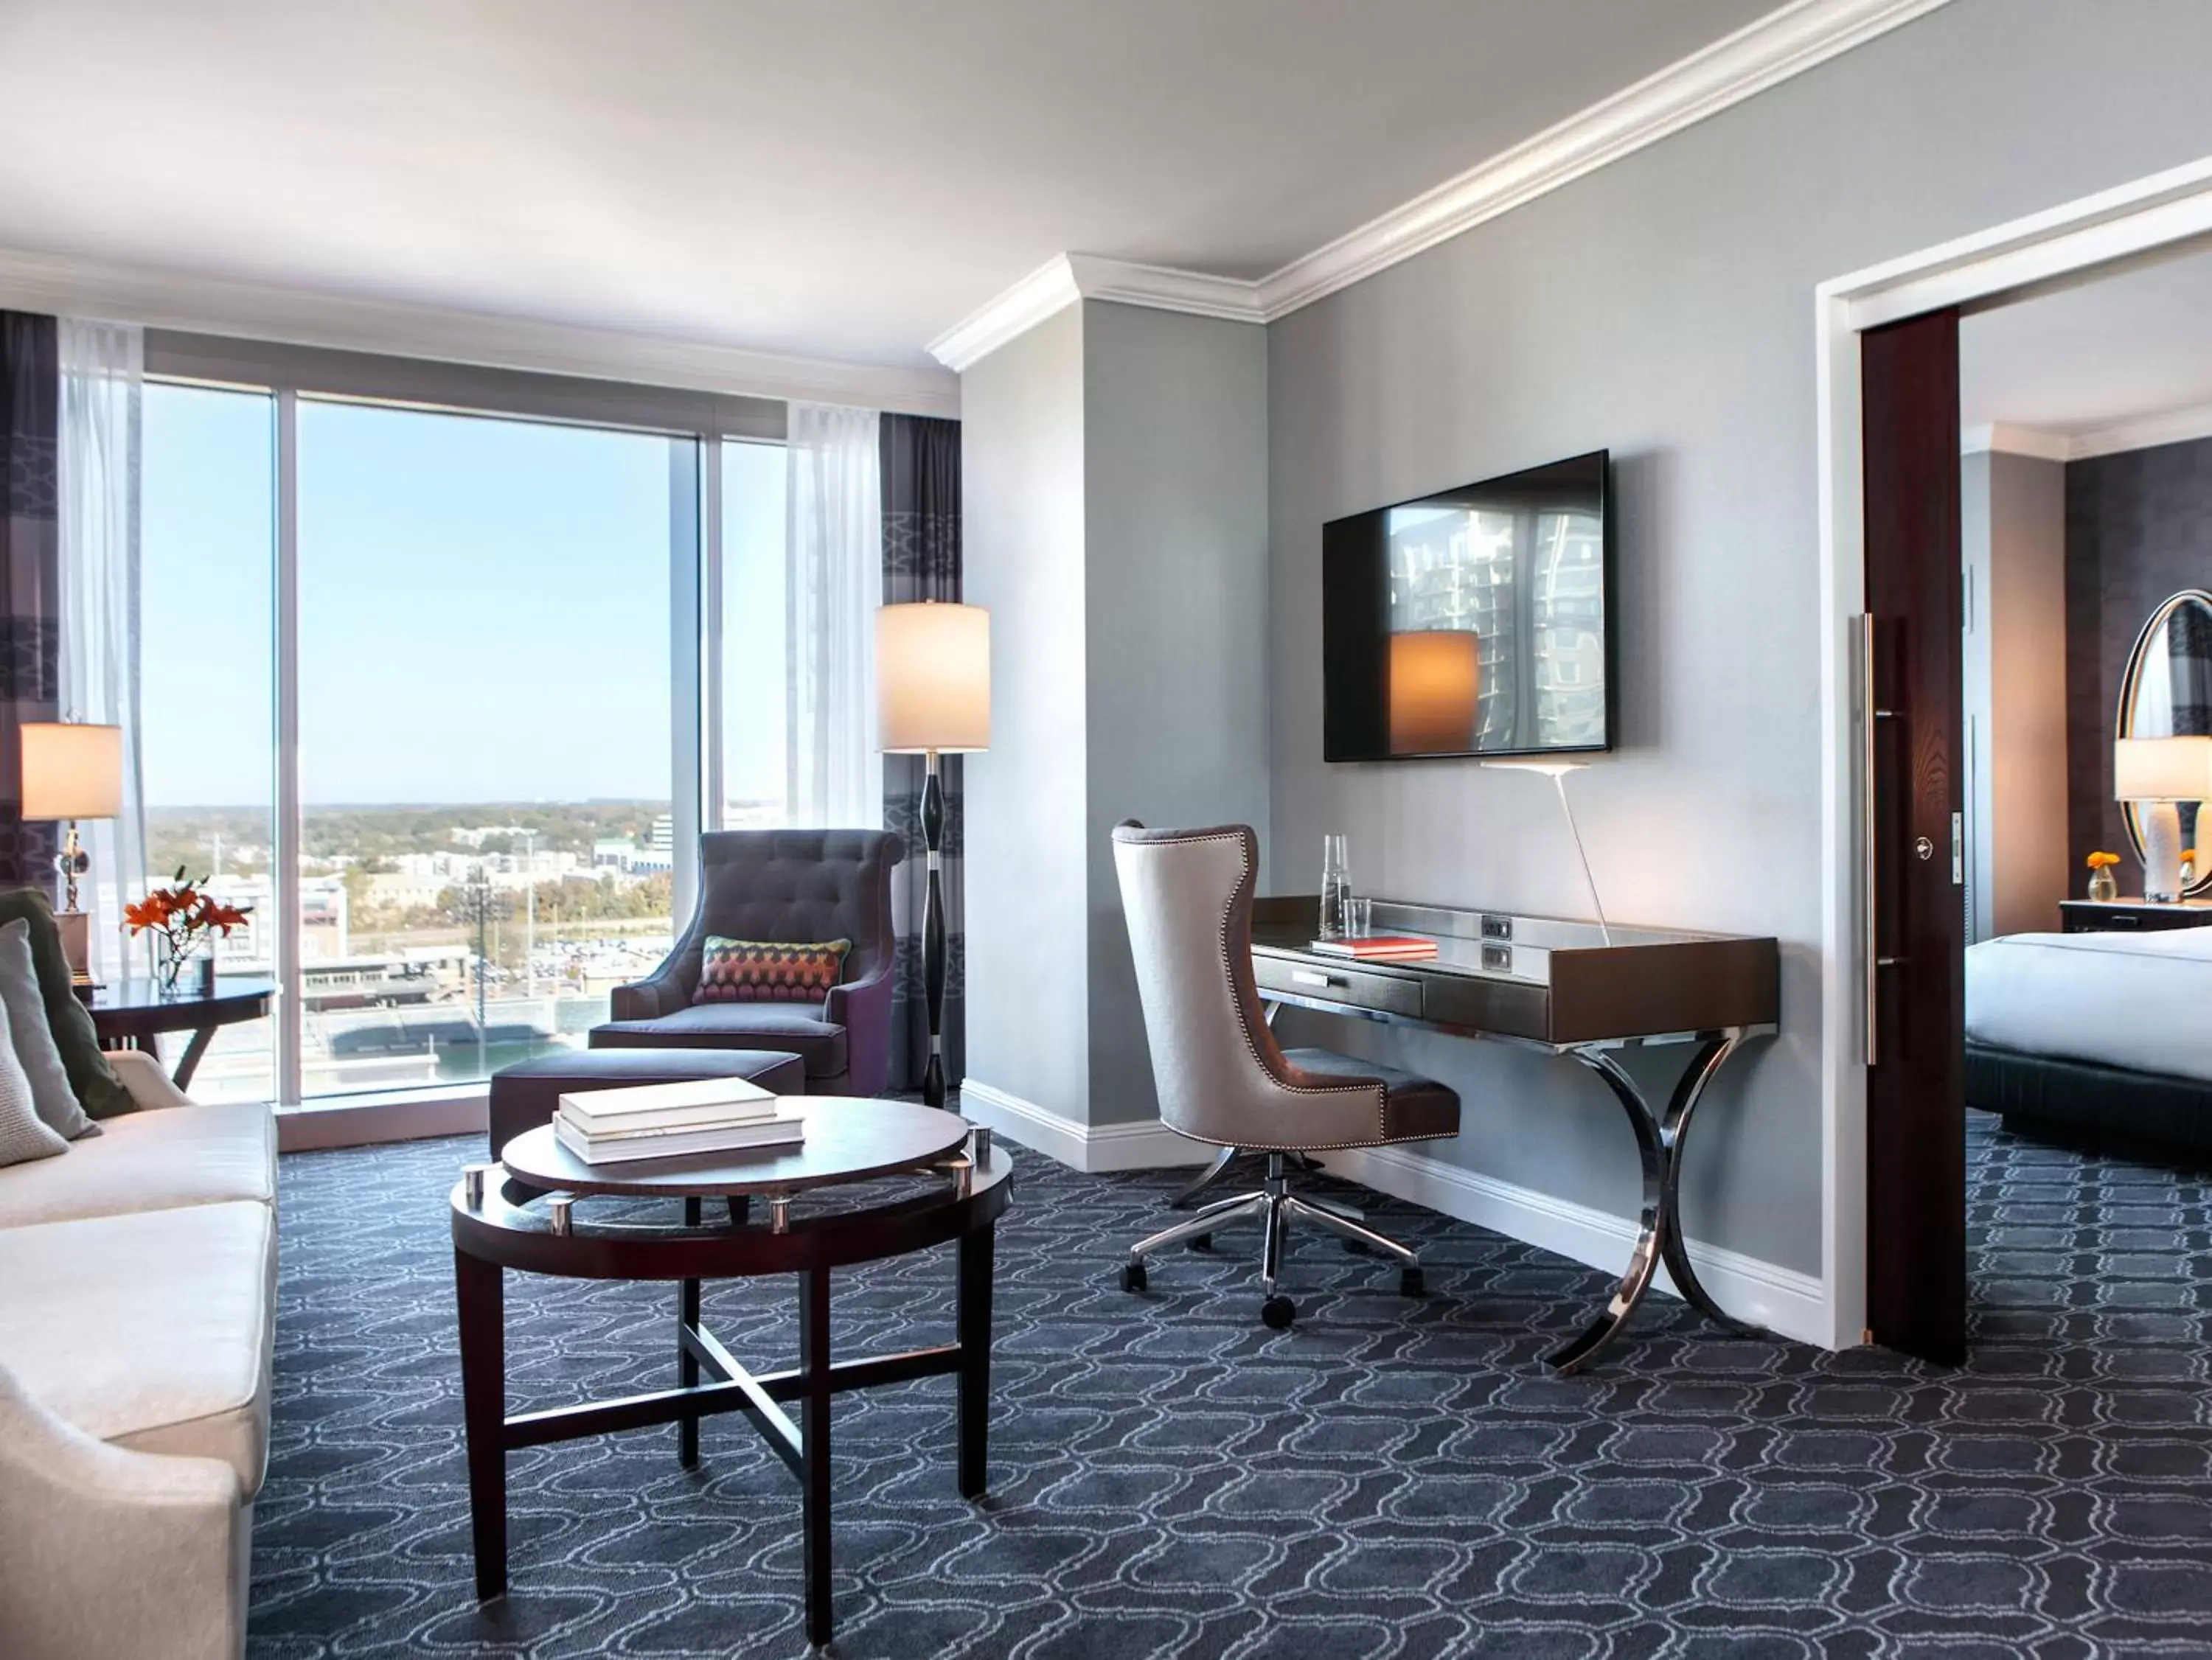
(33, 1036)
(97, 1088)
(25, 1137)
(152, 1331)
(180, 1155)
(788, 1026)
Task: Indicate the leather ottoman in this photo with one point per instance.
(526, 1096)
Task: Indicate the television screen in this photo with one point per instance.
(1475, 622)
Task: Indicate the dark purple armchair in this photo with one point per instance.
(796, 887)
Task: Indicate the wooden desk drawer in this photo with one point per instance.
(1338, 983)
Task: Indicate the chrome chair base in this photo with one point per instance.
(1274, 1206)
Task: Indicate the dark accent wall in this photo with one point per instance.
(2138, 528)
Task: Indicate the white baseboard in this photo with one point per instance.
(404, 1116)
(1782, 1299)
(1147, 1144)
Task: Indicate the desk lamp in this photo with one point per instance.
(1557, 770)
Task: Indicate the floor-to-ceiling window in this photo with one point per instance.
(207, 626)
(426, 687)
(487, 837)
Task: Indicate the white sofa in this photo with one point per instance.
(137, 1311)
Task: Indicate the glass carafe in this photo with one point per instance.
(1335, 885)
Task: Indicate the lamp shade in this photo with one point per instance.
(2162, 769)
(72, 771)
(1435, 679)
(932, 678)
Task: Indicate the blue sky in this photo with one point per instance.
(484, 606)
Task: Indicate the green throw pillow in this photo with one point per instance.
(98, 1088)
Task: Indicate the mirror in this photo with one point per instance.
(2167, 692)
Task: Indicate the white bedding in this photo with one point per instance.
(2139, 1001)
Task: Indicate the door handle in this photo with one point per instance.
(1306, 977)
(1870, 717)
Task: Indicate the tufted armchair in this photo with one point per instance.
(794, 887)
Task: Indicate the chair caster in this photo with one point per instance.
(1199, 1242)
(1410, 1283)
(1277, 1313)
(1132, 1277)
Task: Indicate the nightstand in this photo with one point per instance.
(2132, 916)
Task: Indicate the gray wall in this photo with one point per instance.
(1176, 426)
(1663, 307)
(1027, 896)
(2138, 528)
(2013, 532)
(1115, 467)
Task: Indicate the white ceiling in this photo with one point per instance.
(2116, 353)
(842, 178)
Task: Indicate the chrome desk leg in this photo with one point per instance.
(1658, 1236)
(1673, 1250)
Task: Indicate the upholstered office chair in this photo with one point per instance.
(1221, 1075)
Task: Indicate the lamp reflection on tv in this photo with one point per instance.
(1435, 681)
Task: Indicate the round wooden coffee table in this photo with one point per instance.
(535, 1216)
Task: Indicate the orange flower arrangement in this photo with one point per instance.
(2102, 861)
(184, 915)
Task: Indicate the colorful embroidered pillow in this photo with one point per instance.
(764, 970)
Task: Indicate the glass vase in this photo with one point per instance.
(2104, 889)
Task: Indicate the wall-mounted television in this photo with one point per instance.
(1474, 622)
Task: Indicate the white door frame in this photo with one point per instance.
(2066, 246)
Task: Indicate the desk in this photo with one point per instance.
(1570, 989)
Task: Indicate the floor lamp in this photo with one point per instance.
(934, 698)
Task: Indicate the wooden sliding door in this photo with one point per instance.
(1915, 1103)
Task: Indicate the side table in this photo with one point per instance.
(133, 1014)
(2132, 916)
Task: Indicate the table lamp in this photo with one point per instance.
(2154, 775)
(1557, 770)
(72, 771)
(933, 698)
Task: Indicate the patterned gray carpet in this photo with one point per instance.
(1170, 1478)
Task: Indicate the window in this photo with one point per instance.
(206, 600)
(483, 628)
(487, 842)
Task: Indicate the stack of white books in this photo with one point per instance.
(676, 1121)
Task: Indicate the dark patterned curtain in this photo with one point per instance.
(30, 554)
(921, 560)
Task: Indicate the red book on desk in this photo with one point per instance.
(1402, 945)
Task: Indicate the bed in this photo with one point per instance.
(2109, 1034)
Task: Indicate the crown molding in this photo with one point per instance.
(299, 316)
(1763, 53)
(2145, 432)
(1067, 277)
(2172, 427)
(2003, 438)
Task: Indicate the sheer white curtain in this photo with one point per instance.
(833, 553)
(102, 372)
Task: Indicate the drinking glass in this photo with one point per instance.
(1359, 916)
(1335, 884)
